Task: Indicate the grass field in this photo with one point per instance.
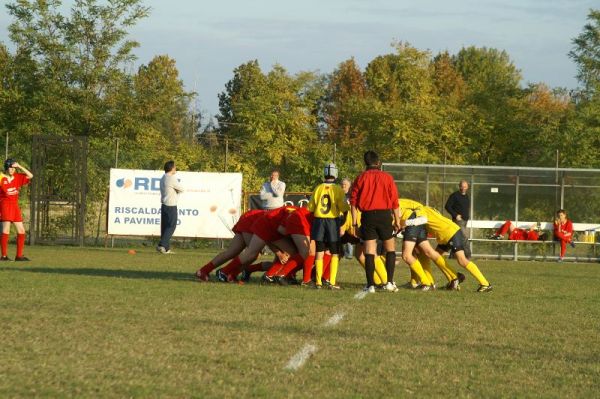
(104, 323)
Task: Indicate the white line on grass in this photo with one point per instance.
(361, 295)
(336, 318)
(301, 357)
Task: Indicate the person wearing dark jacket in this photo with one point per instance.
(459, 206)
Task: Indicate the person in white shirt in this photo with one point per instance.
(169, 194)
(272, 192)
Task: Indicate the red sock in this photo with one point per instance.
(274, 269)
(231, 266)
(291, 265)
(20, 244)
(307, 266)
(231, 274)
(4, 244)
(209, 267)
(326, 269)
(256, 267)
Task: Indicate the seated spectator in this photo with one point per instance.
(516, 233)
(563, 232)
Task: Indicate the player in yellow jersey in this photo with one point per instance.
(449, 237)
(413, 218)
(327, 203)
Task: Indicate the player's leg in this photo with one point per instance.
(248, 254)
(309, 263)
(426, 263)
(451, 275)
(380, 275)
(506, 228)
(236, 246)
(302, 244)
(407, 255)
(20, 241)
(4, 242)
(457, 242)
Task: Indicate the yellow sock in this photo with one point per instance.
(333, 267)
(414, 279)
(418, 269)
(319, 268)
(426, 267)
(445, 268)
(380, 269)
(474, 270)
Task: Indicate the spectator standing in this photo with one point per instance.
(272, 192)
(458, 206)
(375, 195)
(169, 194)
(563, 232)
(348, 247)
(10, 184)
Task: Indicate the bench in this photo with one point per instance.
(491, 226)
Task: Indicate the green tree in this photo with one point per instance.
(270, 120)
(586, 54)
(493, 86)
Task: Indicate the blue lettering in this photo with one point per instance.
(142, 182)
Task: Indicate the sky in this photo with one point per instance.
(209, 39)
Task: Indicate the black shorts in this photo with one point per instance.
(325, 230)
(416, 234)
(377, 225)
(456, 243)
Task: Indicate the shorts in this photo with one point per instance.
(377, 225)
(416, 234)
(10, 211)
(265, 230)
(326, 230)
(455, 244)
(298, 224)
(245, 222)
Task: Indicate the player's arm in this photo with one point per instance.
(24, 170)
(449, 207)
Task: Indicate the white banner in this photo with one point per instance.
(208, 208)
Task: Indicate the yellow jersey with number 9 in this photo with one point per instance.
(328, 201)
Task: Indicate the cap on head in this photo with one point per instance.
(330, 171)
(9, 163)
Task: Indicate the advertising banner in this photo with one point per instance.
(208, 208)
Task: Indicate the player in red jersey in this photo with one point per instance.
(517, 233)
(240, 240)
(563, 232)
(264, 230)
(297, 226)
(10, 185)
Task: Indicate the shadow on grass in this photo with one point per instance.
(115, 273)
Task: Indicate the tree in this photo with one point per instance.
(269, 120)
(493, 86)
(586, 54)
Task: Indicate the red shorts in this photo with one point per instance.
(298, 223)
(264, 228)
(244, 224)
(518, 234)
(10, 211)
